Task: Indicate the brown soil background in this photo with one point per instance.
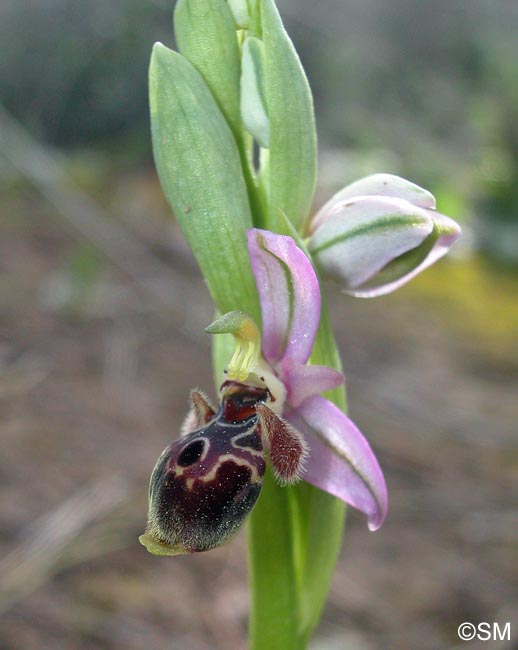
(94, 380)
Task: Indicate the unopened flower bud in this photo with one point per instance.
(373, 242)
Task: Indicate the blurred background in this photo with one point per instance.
(102, 315)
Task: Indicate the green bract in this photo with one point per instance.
(206, 35)
(199, 167)
(291, 173)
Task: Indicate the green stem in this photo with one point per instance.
(295, 536)
(274, 581)
(245, 155)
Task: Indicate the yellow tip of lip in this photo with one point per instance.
(156, 547)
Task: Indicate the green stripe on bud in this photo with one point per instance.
(405, 263)
(361, 237)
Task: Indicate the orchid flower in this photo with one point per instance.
(237, 83)
(378, 233)
(206, 482)
(340, 460)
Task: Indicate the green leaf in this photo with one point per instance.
(206, 35)
(293, 153)
(254, 110)
(254, 11)
(199, 168)
(318, 529)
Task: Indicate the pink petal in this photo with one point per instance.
(449, 233)
(376, 185)
(289, 295)
(341, 461)
(364, 234)
(303, 381)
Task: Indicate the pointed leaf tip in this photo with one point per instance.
(206, 35)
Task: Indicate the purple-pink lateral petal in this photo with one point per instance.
(341, 461)
(302, 381)
(289, 295)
